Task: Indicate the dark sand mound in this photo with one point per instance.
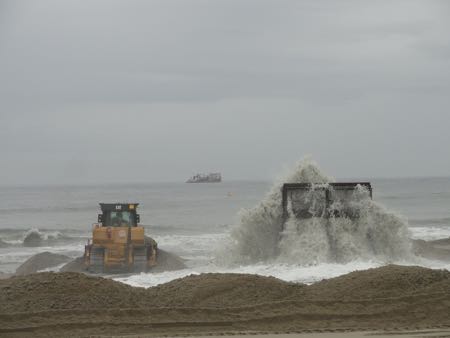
(64, 304)
(69, 290)
(222, 290)
(41, 261)
(168, 261)
(385, 282)
(438, 249)
(49, 291)
(443, 241)
(75, 265)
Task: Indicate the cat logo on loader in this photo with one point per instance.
(118, 242)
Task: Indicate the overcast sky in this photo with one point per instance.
(104, 91)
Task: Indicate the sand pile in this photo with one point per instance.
(49, 291)
(437, 249)
(222, 290)
(386, 282)
(75, 265)
(445, 242)
(168, 261)
(230, 290)
(64, 304)
(69, 290)
(41, 261)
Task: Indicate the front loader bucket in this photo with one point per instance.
(306, 200)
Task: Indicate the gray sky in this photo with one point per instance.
(102, 91)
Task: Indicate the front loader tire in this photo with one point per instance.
(96, 260)
(140, 260)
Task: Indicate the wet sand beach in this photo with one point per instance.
(72, 304)
(436, 333)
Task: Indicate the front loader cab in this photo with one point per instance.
(119, 215)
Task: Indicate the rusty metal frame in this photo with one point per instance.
(320, 186)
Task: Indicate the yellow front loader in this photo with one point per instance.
(118, 242)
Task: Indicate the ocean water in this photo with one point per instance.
(195, 221)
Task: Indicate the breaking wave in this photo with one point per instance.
(35, 237)
(264, 236)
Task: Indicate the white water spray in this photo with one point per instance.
(263, 236)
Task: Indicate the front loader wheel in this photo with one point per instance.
(140, 260)
(96, 260)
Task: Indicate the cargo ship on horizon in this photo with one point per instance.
(205, 178)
